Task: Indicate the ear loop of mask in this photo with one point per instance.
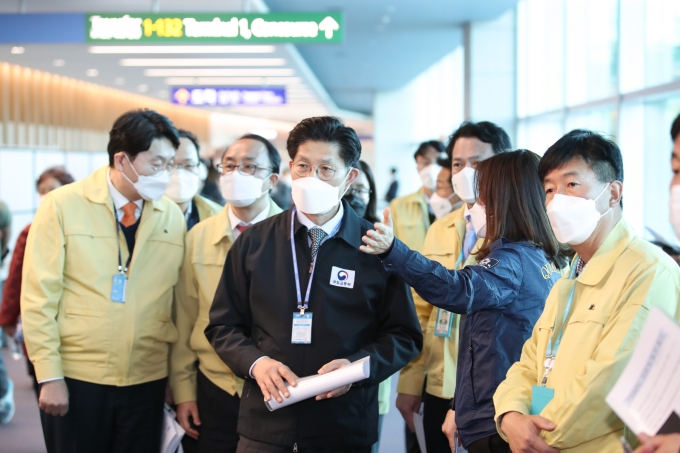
(598, 197)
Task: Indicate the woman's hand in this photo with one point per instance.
(380, 240)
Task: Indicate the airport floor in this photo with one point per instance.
(24, 435)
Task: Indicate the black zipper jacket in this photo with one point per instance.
(252, 315)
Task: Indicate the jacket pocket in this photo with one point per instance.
(85, 335)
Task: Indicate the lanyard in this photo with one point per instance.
(302, 307)
(555, 341)
(120, 257)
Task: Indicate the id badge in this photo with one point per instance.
(443, 326)
(302, 329)
(118, 288)
(540, 397)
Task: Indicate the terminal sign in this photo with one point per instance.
(216, 28)
(226, 97)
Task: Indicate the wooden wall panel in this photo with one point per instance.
(37, 101)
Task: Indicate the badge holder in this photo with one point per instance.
(443, 326)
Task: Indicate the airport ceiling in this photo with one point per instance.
(387, 44)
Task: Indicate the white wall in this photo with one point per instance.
(20, 169)
(429, 107)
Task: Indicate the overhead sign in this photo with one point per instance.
(226, 97)
(324, 27)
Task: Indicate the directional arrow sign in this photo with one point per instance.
(328, 26)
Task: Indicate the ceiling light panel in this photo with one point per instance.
(180, 49)
(232, 81)
(203, 62)
(240, 72)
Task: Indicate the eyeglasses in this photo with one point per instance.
(324, 172)
(189, 166)
(169, 167)
(363, 193)
(244, 169)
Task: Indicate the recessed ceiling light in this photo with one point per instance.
(59, 63)
(17, 50)
(143, 88)
(203, 62)
(386, 19)
(181, 49)
(391, 8)
(119, 81)
(92, 73)
(219, 72)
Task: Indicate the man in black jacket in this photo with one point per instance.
(356, 308)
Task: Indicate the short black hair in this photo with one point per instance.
(444, 162)
(424, 147)
(134, 131)
(675, 128)
(485, 131)
(600, 153)
(328, 129)
(274, 156)
(191, 137)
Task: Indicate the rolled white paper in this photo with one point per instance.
(311, 386)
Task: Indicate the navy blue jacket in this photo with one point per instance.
(500, 299)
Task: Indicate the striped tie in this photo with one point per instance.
(317, 235)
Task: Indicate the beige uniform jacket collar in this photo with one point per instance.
(602, 261)
(223, 228)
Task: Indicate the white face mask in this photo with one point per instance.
(183, 186)
(241, 190)
(440, 205)
(429, 176)
(573, 219)
(314, 196)
(675, 209)
(464, 184)
(478, 219)
(150, 188)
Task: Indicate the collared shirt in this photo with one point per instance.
(235, 221)
(328, 227)
(189, 210)
(119, 199)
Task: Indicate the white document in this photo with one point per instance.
(420, 429)
(172, 432)
(647, 395)
(311, 386)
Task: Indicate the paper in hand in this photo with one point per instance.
(311, 386)
(647, 395)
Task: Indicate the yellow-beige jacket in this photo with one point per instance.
(206, 208)
(624, 279)
(72, 328)
(411, 219)
(439, 356)
(206, 250)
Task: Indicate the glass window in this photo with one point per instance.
(601, 119)
(539, 133)
(540, 56)
(650, 43)
(591, 50)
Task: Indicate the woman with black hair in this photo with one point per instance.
(500, 298)
(361, 195)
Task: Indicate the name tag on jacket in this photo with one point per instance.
(342, 277)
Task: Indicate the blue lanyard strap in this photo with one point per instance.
(300, 305)
(120, 258)
(553, 346)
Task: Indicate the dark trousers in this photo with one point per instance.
(246, 445)
(218, 411)
(491, 444)
(434, 414)
(107, 419)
